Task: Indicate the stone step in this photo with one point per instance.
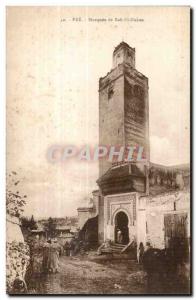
(117, 247)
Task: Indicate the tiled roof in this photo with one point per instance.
(120, 171)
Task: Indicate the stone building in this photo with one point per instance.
(147, 201)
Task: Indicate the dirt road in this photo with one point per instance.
(86, 275)
(92, 274)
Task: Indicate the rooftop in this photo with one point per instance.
(123, 44)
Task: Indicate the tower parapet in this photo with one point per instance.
(123, 53)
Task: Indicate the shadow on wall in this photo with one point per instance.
(89, 232)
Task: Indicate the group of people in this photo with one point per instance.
(45, 256)
(51, 252)
(74, 247)
(69, 248)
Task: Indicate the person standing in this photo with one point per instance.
(119, 236)
(37, 256)
(46, 250)
(53, 258)
(72, 247)
(67, 248)
(140, 253)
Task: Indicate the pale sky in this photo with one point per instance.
(53, 68)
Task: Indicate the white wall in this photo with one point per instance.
(152, 211)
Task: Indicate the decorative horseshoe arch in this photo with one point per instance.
(119, 210)
(121, 221)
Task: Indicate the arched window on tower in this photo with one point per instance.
(110, 93)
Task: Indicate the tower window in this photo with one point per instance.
(110, 93)
(130, 55)
(138, 91)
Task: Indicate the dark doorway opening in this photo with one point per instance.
(121, 228)
(176, 236)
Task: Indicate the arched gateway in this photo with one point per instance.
(121, 228)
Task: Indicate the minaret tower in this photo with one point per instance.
(123, 105)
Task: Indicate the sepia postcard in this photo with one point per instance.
(98, 150)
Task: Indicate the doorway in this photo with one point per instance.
(121, 228)
(176, 236)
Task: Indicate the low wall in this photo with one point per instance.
(17, 254)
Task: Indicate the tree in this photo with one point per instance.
(32, 223)
(15, 201)
(50, 227)
(25, 222)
